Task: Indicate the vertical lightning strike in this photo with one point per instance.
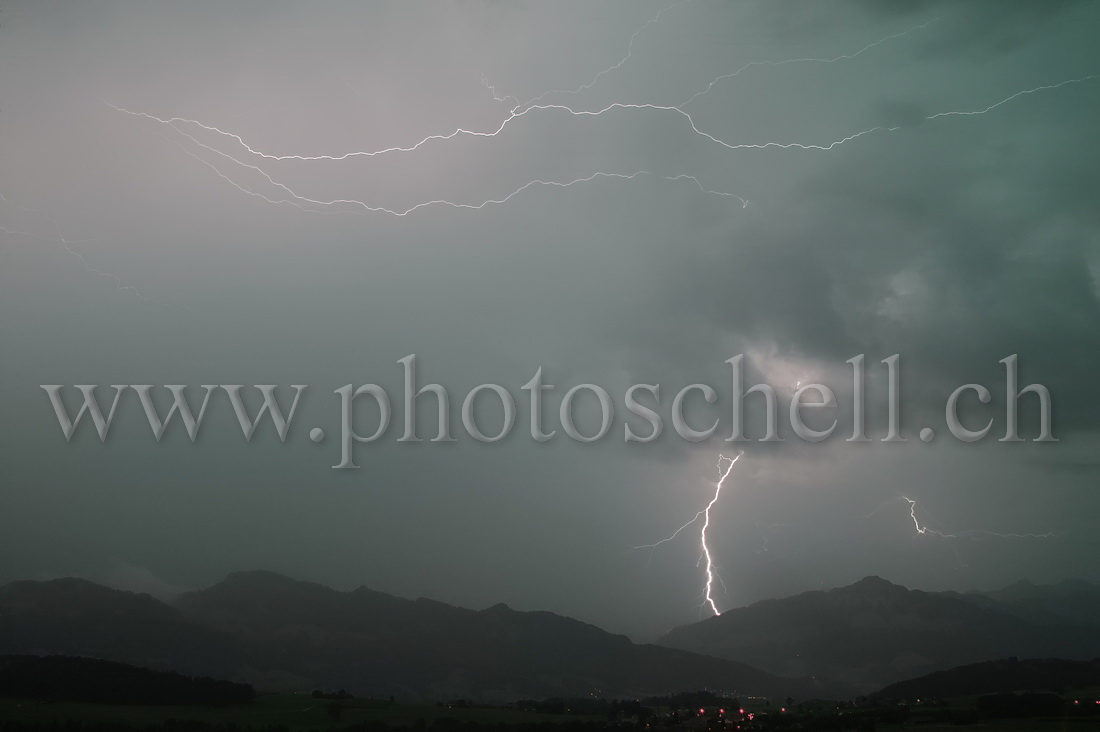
(705, 558)
(706, 525)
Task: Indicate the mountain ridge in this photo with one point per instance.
(277, 632)
(874, 632)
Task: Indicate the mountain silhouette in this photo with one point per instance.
(66, 678)
(280, 633)
(874, 632)
(996, 677)
(276, 632)
(80, 618)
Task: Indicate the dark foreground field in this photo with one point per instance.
(300, 712)
(288, 711)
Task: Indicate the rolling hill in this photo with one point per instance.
(998, 677)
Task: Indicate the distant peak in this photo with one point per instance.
(266, 575)
(873, 580)
(63, 584)
(265, 580)
(874, 584)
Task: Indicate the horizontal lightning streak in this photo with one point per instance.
(991, 107)
(297, 199)
(520, 110)
(174, 121)
(785, 62)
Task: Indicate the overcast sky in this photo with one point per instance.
(140, 251)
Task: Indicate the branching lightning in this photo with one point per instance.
(229, 155)
(595, 79)
(517, 112)
(232, 154)
(520, 111)
(725, 465)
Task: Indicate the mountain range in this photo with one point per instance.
(279, 633)
(873, 632)
(997, 677)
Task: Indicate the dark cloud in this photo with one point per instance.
(954, 241)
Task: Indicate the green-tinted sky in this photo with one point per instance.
(953, 240)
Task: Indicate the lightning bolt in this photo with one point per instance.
(306, 203)
(923, 530)
(524, 108)
(309, 205)
(969, 533)
(66, 244)
(251, 158)
(595, 79)
(1007, 99)
(517, 112)
(725, 465)
(706, 525)
(785, 62)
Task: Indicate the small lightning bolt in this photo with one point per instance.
(67, 244)
(969, 533)
(595, 79)
(785, 62)
(1007, 99)
(924, 530)
(725, 465)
